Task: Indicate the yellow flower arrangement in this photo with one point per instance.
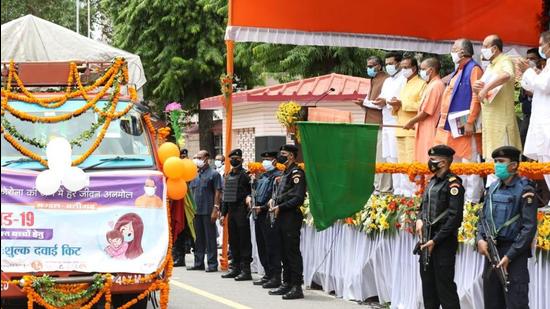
(543, 236)
(468, 229)
(287, 115)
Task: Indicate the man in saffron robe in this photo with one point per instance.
(459, 97)
(428, 114)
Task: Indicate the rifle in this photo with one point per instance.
(253, 202)
(426, 235)
(494, 257)
(274, 197)
(424, 253)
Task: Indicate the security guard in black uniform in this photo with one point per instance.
(510, 211)
(441, 216)
(285, 204)
(269, 244)
(236, 189)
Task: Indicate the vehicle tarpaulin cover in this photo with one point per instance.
(30, 38)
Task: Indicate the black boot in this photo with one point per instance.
(281, 290)
(245, 273)
(262, 281)
(233, 273)
(295, 293)
(272, 283)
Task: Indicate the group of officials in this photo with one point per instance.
(273, 199)
(508, 220)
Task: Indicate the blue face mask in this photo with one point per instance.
(541, 53)
(371, 72)
(391, 69)
(501, 170)
(268, 166)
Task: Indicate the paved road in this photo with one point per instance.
(198, 290)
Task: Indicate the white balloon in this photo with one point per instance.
(75, 179)
(58, 153)
(47, 182)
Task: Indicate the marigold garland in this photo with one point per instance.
(46, 102)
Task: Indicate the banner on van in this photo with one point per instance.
(116, 224)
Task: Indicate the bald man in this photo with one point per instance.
(499, 124)
(428, 112)
(149, 198)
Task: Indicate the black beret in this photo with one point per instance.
(441, 150)
(509, 152)
(290, 148)
(184, 152)
(236, 152)
(269, 154)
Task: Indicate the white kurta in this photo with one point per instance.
(391, 88)
(537, 142)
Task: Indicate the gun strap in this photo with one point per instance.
(438, 218)
(507, 223)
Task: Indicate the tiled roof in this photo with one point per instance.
(310, 89)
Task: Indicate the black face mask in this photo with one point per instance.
(282, 159)
(235, 162)
(433, 166)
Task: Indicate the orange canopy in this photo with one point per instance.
(426, 25)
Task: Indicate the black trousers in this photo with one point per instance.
(289, 225)
(438, 286)
(269, 245)
(205, 243)
(239, 238)
(518, 290)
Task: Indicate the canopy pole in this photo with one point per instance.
(228, 139)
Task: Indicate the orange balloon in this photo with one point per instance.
(167, 150)
(190, 171)
(177, 188)
(173, 167)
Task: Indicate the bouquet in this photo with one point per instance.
(175, 114)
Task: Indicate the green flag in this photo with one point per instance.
(340, 163)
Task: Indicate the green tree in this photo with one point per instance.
(182, 48)
(289, 62)
(61, 12)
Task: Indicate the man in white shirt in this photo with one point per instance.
(391, 89)
(537, 142)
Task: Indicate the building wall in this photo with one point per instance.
(192, 144)
(260, 117)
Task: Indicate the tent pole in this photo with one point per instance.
(89, 33)
(228, 139)
(77, 2)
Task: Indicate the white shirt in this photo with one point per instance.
(539, 85)
(391, 88)
(537, 142)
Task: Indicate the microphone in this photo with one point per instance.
(326, 93)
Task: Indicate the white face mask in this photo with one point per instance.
(407, 72)
(390, 68)
(218, 163)
(268, 165)
(198, 163)
(149, 191)
(424, 75)
(541, 53)
(456, 57)
(487, 53)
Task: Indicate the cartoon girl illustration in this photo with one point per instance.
(131, 227)
(117, 246)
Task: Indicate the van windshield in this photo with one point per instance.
(126, 140)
